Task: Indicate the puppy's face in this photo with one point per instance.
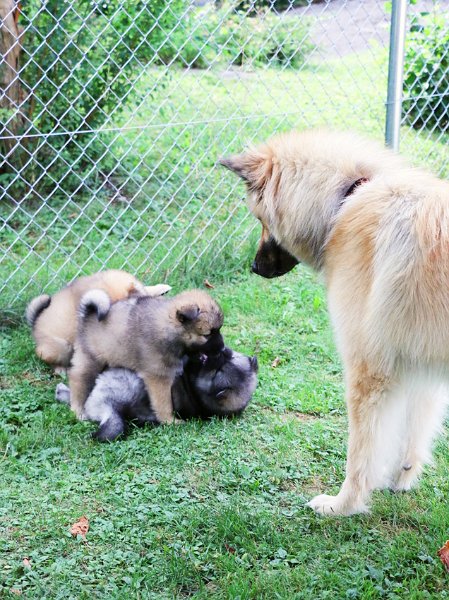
(199, 321)
(261, 176)
(225, 382)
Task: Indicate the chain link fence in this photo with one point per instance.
(113, 115)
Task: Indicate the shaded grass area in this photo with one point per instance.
(213, 509)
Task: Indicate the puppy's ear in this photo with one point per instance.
(187, 314)
(254, 166)
(254, 363)
(134, 289)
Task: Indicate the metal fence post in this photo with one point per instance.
(395, 73)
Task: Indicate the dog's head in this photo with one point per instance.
(224, 382)
(297, 184)
(260, 172)
(199, 319)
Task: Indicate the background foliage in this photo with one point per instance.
(426, 81)
(78, 67)
(224, 37)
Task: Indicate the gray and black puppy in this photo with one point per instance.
(210, 385)
(147, 335)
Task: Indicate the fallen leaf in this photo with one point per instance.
(16, 591)
(443, 553)
(81, 527)
(230, 549)
(275, 362)
(26, 563)
(208, 284)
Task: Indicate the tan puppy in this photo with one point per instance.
(147, 335)
(379, 231)
(54, 318)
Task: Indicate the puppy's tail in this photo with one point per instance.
(35, 307)
(94, 302)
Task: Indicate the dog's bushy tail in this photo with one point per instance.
(94, 302)
(35, 307)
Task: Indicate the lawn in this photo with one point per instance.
(214, 509)
(207, 509)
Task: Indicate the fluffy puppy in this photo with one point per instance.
(210, 385)
(54, 318)
(379, 232)
(147, 335)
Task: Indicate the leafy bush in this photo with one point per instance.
(225, 37)
(426, 81)
(79, 61)
(251, 6)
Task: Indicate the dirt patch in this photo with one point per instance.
(343, 27)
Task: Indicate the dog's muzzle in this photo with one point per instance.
(272, 260)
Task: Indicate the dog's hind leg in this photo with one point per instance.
(426, 406)
(82, 376)
(369, 402)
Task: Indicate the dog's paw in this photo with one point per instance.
(62, 371)
(157, 290)
(333, 506)
(62, 393)
(407, 477)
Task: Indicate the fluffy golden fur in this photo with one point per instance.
(379, 232)
(54, 318)
(150, 336)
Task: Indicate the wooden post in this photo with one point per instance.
(10, 46)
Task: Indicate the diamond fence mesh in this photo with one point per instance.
(114, 114)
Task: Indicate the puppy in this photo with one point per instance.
(379, 232)
(147, 335)
(54, 318)
(210, 385)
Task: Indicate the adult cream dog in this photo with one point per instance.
(379, 232)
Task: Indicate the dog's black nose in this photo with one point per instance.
(255, 267)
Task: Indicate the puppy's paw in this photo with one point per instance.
(62, 393)
(62, 371)
(334, 506)
(157, 290)
(173, 422)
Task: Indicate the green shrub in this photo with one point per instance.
(225, 37)
(79, 62)
(426, 81)
(251, 6)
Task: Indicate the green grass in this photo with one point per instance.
(214, 509)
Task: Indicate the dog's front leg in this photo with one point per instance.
(82, 376)
(159, 391)
(368, 401)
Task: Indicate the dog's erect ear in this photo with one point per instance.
(237, 164)
(187, 314)
(255, 167)
(254, 363)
